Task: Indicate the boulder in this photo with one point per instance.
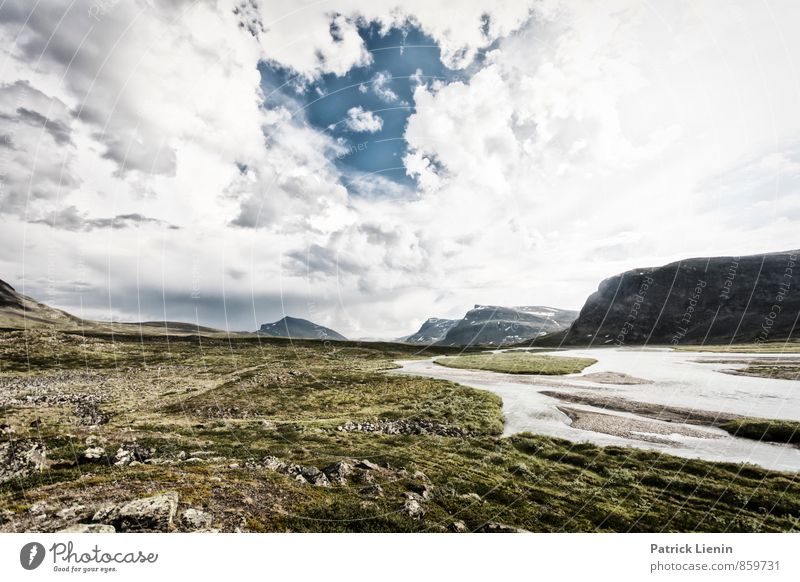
(373, 490)
(147, 514)
(368, 465)
(413, 508)
(196, 519)
(92, 455)
(314, 476)
(130, 453)
(338, 472)
(21, 458)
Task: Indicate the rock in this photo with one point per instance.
(492, 527)
(6, 430)
(21, 458)
(93, 454)
(420, 476)
(402, 426)
(40, 508)
(75, 513)
(105, 513)
(132, 452)
(458, 527)
(369, 465)
(413, 508)
(373, 490)
(5, 516)
(88, 528)
(338, 472)
(273, 463)
(147, 514)
(732, 298)
(196, 519)
(424, 490)
(314, 476)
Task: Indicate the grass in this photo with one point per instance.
(781, 347)
(241, 399)
(777, 431)
(518, 363)
(778, 370)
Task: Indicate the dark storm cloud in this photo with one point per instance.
(61, 132)
(70, 219)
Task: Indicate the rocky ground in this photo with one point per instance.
(254, 435)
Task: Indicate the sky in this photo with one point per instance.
(368, 165)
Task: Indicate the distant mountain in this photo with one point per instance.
(712, 299)
(495, 326)
(433, 330)
(20, 311)
(296, 328)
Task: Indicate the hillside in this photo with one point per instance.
(703, 300)
(430, 332)
(19, 311)
(296, 328)
(495, 326)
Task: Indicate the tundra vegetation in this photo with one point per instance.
(518, 362)
(152, 433)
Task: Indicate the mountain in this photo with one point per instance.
(20, 311)
(494, 326)
(433, 330)
(711, 299)
(296, 328)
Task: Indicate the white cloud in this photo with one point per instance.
(363, 121)
(599, 137)
(381, 86)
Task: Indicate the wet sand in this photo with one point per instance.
(631, 428)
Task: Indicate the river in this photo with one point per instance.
(691, 380)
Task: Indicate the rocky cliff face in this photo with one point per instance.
(497, 326)
(432, 331)
(296, 328)
(703, 300)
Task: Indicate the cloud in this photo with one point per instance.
(70, 218)
(381, 86)
(362, 121)
(581, 140)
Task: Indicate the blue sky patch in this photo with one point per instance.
(402, 59)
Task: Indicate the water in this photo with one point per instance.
(680, 379)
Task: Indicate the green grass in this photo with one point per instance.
(518, 363)
(778, 370)
(778, 431)
(781, 347)
(243, 399)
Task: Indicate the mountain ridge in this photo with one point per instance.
(297, 328)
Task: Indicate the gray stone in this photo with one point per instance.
(89, 528)
(366, 464)
(373, 490)
(314, 476)
(492, 527)
(338, 472)
(93, 454)
(413, 508)
(149, 513)
(196, 519)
